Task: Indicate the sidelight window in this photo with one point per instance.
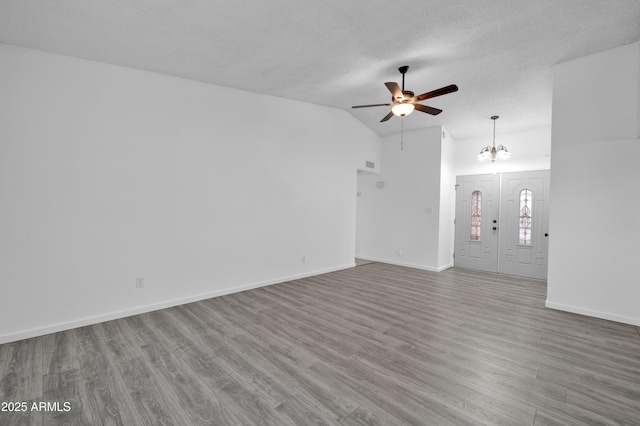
(476, 215)
(526, 201)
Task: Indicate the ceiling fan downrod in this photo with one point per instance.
(403, 70)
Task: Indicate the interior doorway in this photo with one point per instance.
(502, 223)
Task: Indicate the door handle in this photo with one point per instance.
(546, 234)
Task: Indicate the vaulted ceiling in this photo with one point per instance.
(339, 53)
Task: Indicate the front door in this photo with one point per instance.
(524, 212)
(502, 223)
(477, 209)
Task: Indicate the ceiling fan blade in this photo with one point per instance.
(395, 90)
(428, 109)
(367, 106)
(386, 117)
(438, 92)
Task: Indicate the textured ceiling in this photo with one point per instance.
(339, 53)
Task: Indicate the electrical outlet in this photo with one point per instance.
(399, 252)
(304, 259)
(139, 282)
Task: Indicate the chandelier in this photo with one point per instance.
(490, 151)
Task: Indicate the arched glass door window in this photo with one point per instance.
(526, 201)
(476, 215)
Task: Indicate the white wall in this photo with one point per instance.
(530, 150)
(593, 250)
(637, 47)
(108, 174)
(400, 222)
(595, 98)
(446, 233)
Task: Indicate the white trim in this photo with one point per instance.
(592, 313)
(442, 268)
(408, 265)
(40, 331)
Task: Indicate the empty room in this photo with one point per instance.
(319, 213)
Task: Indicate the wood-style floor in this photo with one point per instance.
(372, 345)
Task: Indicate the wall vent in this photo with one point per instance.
(371, 164)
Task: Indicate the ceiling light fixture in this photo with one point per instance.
(490, 151)
(402, 109)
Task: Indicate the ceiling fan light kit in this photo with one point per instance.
(404, 102)
(403, 109)
(490, 152)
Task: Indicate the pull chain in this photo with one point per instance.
(402, 133)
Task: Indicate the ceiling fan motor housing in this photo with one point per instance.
(408, 95)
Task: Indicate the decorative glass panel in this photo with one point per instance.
(526, 200)
(476, 215)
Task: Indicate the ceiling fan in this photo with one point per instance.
(404, 101)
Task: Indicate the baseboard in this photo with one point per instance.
(41, 331)
(592, 313)
(442, 268)
(406, 264)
